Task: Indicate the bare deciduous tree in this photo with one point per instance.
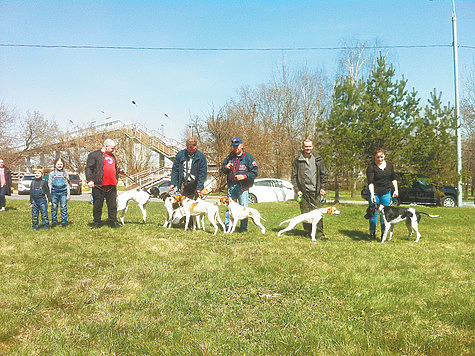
(7, 138)
(271, 119)
(468, 130)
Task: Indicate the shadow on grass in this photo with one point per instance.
(355, 235)
(294, 232)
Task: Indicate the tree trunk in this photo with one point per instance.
(337, 189)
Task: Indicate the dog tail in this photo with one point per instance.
(283, 222)
(432, 216)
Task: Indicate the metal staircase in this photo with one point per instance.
(148, 178)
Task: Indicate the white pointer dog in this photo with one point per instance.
(393, 215)
(174, 210)
(312, 217)
(198, 208)
(141, 197)
(238, 212)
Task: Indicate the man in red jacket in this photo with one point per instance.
(102, 175)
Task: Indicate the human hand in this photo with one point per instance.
(50, 204)
(228, 166)
(90, 184)
(322, 192)
(396, 193)
(240, 177)
(68, 198)
(171, 187)
(373, 198)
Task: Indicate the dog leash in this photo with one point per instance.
(104, 190)
(129, 177)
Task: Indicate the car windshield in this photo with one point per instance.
(263, 183)
(423, 181)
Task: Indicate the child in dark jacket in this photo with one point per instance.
(38, 193)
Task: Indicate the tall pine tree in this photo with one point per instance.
(432, 148)
(386, 111)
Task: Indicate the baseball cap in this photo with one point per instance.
(236, 141)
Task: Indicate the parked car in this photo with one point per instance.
(157, 190)
(24, 184)
(271, 189)
(420, 189)
(76, 184)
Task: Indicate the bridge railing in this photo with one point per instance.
(148, 177)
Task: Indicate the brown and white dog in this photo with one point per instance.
(197, 209)
(174, 210)
(312, 217)
(238, 212)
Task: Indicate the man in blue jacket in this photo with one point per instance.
(189, 170)
(241, 169)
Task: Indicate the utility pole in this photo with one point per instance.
(457, 108)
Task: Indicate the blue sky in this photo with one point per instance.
(84, 85)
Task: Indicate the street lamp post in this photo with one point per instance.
(457, 109)
(134, 103)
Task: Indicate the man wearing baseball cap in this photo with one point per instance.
(241, 169)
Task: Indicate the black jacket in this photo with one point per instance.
(8, 180)
(95, 167)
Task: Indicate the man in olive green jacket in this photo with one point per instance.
(309, 178)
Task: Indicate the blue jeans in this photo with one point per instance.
(3, 191)
(59, 199)
(236, 193)
(383, 199)
(39, 205)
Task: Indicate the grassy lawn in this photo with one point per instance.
(144, 289)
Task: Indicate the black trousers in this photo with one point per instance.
(109, 193)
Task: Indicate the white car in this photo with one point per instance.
(24, 185)
(271, 189)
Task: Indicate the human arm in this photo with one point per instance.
(177, 164)
(68, 186)
(396, 191)
(226, 166)
(323, 178)
(47, 192)
(394, 182)
(202, 173)
(252, 169)
(370, 179)
(90, 169)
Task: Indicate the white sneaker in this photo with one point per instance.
(2, 209)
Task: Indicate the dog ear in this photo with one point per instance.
(164, 195)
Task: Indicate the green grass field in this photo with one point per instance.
(144, 289)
